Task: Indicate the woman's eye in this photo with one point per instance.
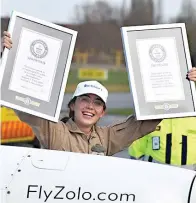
(98, 103)
(85, 99)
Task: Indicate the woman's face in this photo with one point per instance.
(88, 109)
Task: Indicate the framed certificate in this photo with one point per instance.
(158, 59)
(34, 71)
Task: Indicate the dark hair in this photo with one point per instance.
(71, 113)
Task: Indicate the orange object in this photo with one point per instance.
(12, 129)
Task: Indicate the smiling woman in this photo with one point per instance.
(88, 104)
(80, 132)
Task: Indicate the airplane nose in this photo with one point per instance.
(192, 193)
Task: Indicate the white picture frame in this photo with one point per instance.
(152, 98)
(60, 43)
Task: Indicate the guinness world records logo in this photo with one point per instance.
(157, 53)
(39, 48)
(27, 101)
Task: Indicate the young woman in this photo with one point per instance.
(80, 132)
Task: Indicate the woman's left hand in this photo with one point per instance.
(192, 74)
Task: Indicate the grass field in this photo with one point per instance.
(117, 81)
(120, 112)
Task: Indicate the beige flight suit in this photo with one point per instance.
(68, 137)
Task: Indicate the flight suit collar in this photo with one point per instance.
(75, 129)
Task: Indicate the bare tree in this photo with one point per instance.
(188, 16)
(158, 15)
(97, 12)
(188, 10)
(140, 13)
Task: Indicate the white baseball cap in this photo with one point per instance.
(91, 87)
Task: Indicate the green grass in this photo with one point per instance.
(117, 81)
(121, 112)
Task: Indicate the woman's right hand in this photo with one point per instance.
(7, 42)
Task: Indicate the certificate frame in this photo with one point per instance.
(52, 79)
(133, 37)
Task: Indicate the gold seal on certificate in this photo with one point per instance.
(34, 72)
(158, 60)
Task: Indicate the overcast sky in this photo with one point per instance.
(63, 10)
